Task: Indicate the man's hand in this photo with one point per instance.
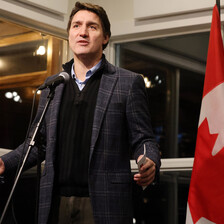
(146, 173)
(2, 167)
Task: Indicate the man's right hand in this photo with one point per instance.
(2, 167)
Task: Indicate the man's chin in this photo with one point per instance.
(86, 54)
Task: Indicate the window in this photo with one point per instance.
(27, 57)
(173, 70)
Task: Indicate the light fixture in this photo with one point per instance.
(17, 98)
(8, 95)
(14, 96)
(147, 82)
(157, 78)
(38, 92)
(41, 50)
(2, 63)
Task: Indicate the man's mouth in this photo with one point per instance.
(83, 42)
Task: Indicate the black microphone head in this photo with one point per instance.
(62, 77)
(65, 75)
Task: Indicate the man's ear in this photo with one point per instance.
(106, 39)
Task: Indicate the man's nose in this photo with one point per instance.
(83, 31)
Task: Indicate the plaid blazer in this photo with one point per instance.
(121, 127)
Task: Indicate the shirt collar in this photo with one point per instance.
(88, 74)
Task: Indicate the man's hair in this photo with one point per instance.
(98, 10)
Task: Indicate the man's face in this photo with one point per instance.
(86, 35)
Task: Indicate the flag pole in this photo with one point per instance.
(218, 5)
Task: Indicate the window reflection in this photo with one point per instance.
(173, 84)
(27, 57)
(23, 58)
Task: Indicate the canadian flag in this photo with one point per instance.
(206, 193)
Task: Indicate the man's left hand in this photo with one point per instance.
(146, 173)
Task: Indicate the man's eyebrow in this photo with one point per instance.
(75, 22)
(88, 22)
(93, 23)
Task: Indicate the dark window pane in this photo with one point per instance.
(191, 88)
(15, 114)
(165, 203)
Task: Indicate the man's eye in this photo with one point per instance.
(93, 27)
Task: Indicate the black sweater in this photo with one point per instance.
(74, 135)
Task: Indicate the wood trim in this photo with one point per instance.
(29, 36)
(23, 80)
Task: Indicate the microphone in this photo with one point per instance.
(62, 77)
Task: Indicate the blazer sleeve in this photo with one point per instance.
(139, 122)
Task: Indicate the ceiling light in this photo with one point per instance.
(17, 98)
(8, 95)
(147, 82)
(14, 93)
(41, 50)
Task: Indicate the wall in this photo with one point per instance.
(128, 17)
(48, 16)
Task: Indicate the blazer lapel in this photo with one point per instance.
(107, 85)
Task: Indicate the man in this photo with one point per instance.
(93, 126)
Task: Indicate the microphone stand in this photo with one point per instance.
(31, 144)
